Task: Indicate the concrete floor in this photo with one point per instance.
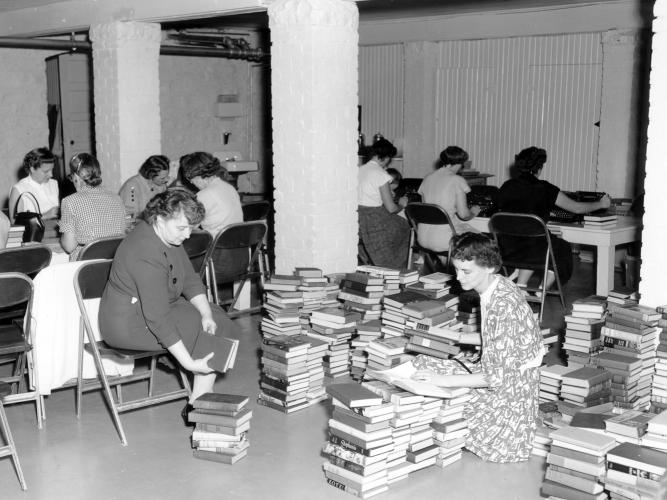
(83, 459)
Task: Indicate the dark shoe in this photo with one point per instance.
(184, 415)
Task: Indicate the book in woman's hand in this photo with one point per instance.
(225, 351)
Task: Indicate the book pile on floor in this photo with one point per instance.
(582, 333)
(362, 292)
(576, 464)
(631, 337)
(386, 352)
(605, 220)
(635, 471)
(656, 432)
(551, 378)
(432, 286)
(407, 277)
(391, 277)
(439, 340)
(659, 384)
(285, 378)
(366, 332)
(282, 305)
(335, 326)
(586, 386)
(393, 317)
(359, 441)
(450, 430)
(317, 349)
(629, 426)
(15, 236)
(317, 290)
(221, 428)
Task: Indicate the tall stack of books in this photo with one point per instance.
(582, 337)
(285, 378)
(656, 432)
(366, 331)
(221, 428)
(15, 236)
(362, 292)
(282, 306)
(359, 441)
(317, 349)
(335, 326)
(586, 386)
(316, 290)
(626, 374)
(450, 430)
(576, 464)
(659, 384)
(551, 378)
(605, 220)
(628, 426)
(635, 471)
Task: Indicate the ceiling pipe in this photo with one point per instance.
(171, 50)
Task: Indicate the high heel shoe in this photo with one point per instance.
(184, 415)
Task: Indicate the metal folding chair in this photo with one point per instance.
(9, 449)
(427, 213)
(102, 248)
(259, 210)
(196, 246)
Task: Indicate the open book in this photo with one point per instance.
(400, 376)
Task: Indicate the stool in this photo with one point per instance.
(9, 448)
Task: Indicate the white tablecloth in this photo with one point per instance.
(55, 330)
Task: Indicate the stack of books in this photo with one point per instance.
(366, 331)
(450, 430)
(659, 384)
(317, 349)
(628, 426)
(656, 432)
(282, 306)
(626, 390)
(15, 236)
(582, 338)
(433, 286)
(586, 386)
(390, 276)
(221, 428)
(635, 471)
(542, 441)
(316, 290)
(359, 441)
(386, 352)
(406, 277)
(362, 292)
(605, 220)
(623, 295)
(334, 321)
(438, 341)
(576, 464)
(468, 314)
(551, 378)
(285, 379)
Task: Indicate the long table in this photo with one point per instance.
(626, 230)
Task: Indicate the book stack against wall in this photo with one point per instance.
(586, 386)
(635, 471)
(359, 441)
(582, 334)
(432, 286)
(551, 378)
(628, 426)
(362, 292)
(391, 277)
(450, 430)
(605, 220)
(15, 236)
(659, 384)
(221, 428)
(656, 432)
(576, 464)
(285, 378)
(629, 388)
(366, 332)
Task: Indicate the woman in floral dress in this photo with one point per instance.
(503, 410)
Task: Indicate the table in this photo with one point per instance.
(626, 230)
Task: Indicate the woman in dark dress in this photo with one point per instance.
(153, 298)
(528, 194)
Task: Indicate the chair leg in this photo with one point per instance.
(411, 245)
(33, 382)
(4, 423)
(79, 378)
(151, 379)
(186, 382)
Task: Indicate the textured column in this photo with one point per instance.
(314, 104)
(127, 97)
(654, 237)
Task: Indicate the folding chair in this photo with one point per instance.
(196, 247)
(89, 282)
(16, 289)
(233, 257)
(9, 449)
(259, 210)
(427, 213)
(102, 248)
(526, 227)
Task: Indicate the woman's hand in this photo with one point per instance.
(423, 376)
(209, 325)
(403, 201)
(474, 210)
(605, 201)
(200, 366)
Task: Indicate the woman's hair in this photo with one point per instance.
(530, 160)
(395, 174)
(153, 166)
(36, 158)
(382, 148)
(453, 155)
(87, 168)
(200, 164)
(170, 203)
(477, 247)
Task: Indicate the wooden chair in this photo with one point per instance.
(233, 258)
(16, 289)
(9, 449)
(89, 282)
(527, 227)
(259, 210)
(102, 248)
(427, 213)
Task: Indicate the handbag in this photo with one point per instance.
(31, 221)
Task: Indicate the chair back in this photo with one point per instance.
(196, 246)
(15, 289)
(102, 248)
(427, 213)
(91, 279)
(238, 246)
(256, 210)
(513, 224)
(27, 260)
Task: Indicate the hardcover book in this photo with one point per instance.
(353, 395)
(639, 457)
(218, 401)
(632, 423)
(224, 348)
(586, 377)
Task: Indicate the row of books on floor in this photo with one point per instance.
(379, 434)
(222, 422)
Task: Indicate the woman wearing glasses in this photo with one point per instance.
(152, 179)
(92, 212)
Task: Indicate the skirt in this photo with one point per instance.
(385, 237)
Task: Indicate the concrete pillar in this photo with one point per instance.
(314, 104)
(654, 237)
(127, 97)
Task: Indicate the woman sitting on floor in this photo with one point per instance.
(384, 235)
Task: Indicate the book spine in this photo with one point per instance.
(344, 487)
(633, 471)
(345, 464)
(347, 444)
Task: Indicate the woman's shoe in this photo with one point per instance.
(184, 415)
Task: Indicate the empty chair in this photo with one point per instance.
(233, 258)
(532, 230)
(9, 449)
(29, 259)
(427, 213)
(102, 248)
(89, 283)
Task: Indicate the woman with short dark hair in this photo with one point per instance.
(92, 212)
(39, 183)
(152, 179)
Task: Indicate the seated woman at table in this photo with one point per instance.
(502, 413)
(154, 299)
(221, 201)
(4, 229)
(152, 179)
(448, 190)
(528, 194)
(385, 235)
(92, 212)
(38, 164)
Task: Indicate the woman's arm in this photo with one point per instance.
(472, 380)
(68, 242)
(462, 209)
(183, 357)
(579, 207)
(207, 322)
(388, 200)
